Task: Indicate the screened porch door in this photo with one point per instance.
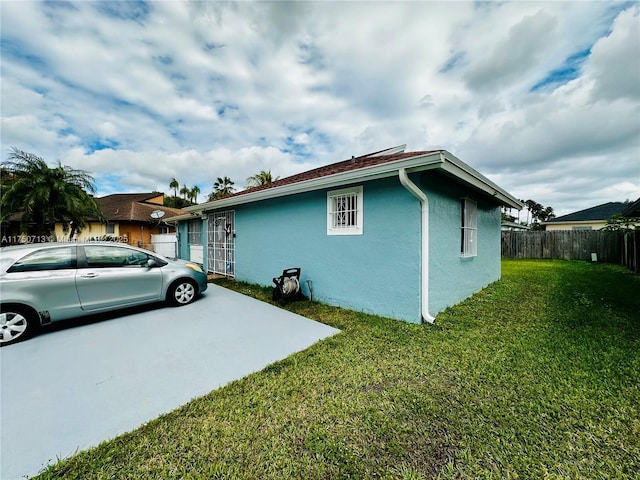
(221, 243)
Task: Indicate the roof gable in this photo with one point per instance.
(383, 164)
(633, 209)
(599, 212)
(355, 163)
(132, 207)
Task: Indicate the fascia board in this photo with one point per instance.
(390, 169)
(464, 172)
(434, 160)
(178, 218)
(572, 222)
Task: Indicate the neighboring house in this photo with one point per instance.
(633, 210)
(403, 235)
(508, 226)
(130, 217)
(594, 218)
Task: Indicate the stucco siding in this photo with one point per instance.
(452, 278)
(378, 271)
(183, 240)
(590, 225)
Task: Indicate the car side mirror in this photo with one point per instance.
(151, 262)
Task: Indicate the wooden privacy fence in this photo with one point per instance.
(631, 250)
(610, 247)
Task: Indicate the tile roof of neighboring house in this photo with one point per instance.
(633, 210)
(132, 207)
(599, 212)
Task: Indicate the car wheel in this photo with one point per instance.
(16, 324)
(182, 292)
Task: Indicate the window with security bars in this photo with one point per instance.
(344, 212)
(195, 232)
(469, 231)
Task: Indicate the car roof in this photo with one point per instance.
(25, 247)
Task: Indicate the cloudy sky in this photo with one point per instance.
(541, 97)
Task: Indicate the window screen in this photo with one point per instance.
(469, 231)
(195, 230)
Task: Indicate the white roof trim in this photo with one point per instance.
(464, 172)
(569, 222)
(434, 160)
(388, 151)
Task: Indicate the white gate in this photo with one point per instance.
(221, 243)
(165, 244)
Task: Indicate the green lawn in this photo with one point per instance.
(537, 376)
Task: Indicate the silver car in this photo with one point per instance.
(47, 282)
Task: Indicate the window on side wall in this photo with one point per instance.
(194, 232)
(469, 230)
(344, 211)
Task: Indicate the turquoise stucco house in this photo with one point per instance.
(399, 234)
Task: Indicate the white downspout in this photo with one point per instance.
(424, 267)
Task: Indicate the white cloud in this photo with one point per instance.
(515, 55)
(538, 96)
(615, 59)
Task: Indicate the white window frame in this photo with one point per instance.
(345, 211)
(469, 228)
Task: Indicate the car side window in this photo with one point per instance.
(102, 256)
(48, 259)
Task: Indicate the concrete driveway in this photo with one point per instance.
(69, 389)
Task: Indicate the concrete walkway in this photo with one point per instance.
(69, 389)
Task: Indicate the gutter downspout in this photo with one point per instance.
(424, 267)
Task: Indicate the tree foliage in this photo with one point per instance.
(189, 195)
(619, 223)
(538, 213)
(175, 185)
(222, 187)
(44, 196)
(263, 177)
(193, 194)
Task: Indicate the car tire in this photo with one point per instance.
(182, 292)
(16, 324)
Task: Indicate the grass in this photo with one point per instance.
(536, 376)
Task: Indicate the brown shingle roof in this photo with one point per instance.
(355, 163)
(131, 207)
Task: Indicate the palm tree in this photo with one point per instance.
(533, 208)
(263, 177)
(184, 191)
(546, 214)
(46, 195)
(175, 185)
(195, 191)
(222, 187)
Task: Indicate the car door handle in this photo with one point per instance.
(89, 275)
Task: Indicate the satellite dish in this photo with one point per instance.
(157, 214)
